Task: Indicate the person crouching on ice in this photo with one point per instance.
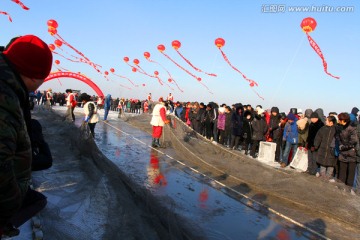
(158, 120)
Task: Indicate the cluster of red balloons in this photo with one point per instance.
(52, 26)
(52, 29)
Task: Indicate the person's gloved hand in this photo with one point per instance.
(167, 121)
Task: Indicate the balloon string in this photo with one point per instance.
(61, 69)
(197, 69)
(137, 66)
(252, 82)
(121, 85)
(160, 81)
(317, 49)
(142, 71)
(197, 78)
(228, 61)
(180, 66)
(65, 57)
(80, 59)
(125, 78)
(20, 4)
(167, 73)
(95, 66)
(257, 94)
(67, 44)
(5, 13)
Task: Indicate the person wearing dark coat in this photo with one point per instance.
(314, 127)
(237, 127)
(259, 130)
(195, 117)
(325, 144)
(208, 121)
(178, 110)
(348, 140)
(228, 128)
(353, 116)
(247, 130)
(200, 117)
(275, 131)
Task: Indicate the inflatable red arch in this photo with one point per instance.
(75, 76)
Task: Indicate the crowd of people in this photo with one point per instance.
(243, 127)
(332, 141)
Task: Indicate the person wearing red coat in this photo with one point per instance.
(158, 121)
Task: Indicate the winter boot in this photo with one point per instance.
(157, 142)
(153, 144)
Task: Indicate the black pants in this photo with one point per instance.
(221, 134)
(254, 147)
(347, 172)
(234, 141)
(209, 128)
(92, 128)
(278, 148)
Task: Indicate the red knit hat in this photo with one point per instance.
(30, 56)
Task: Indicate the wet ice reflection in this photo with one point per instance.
(197, 198)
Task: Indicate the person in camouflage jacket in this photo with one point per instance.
(24, 65)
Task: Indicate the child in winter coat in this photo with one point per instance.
(290, 137)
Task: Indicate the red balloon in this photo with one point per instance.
(143, 84)
(52, 47)
(57, 62)
(199, 79)
(112, 70)
(52, 23)
(308, 24)
(252, 84)
(52, 31)
(58, 43)
(134, 69)
(136, 61)
(176, 44)
(219, 42)
(126, 59)
(169, 80)
(161, 48)
(156, 73)
(146, 55)
(106, 73)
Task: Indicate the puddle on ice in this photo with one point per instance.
(193, 196)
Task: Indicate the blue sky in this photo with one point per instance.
(269, 48)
